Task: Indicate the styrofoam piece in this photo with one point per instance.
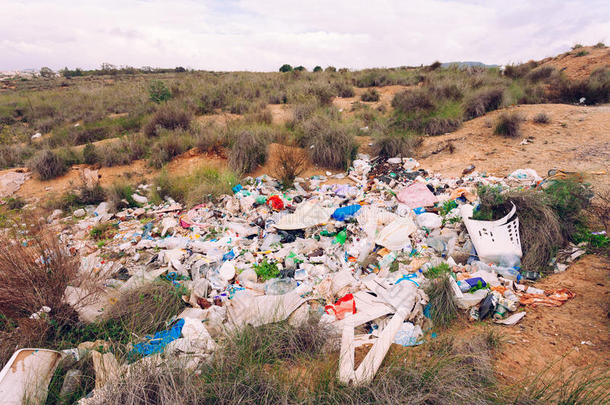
(26, 376)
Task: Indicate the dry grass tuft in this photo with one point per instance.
(291, 164)
(249, 150)
(509, 125)
(483, 101)
(169, 117)
(47, 165)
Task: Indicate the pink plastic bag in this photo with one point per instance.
(417, 195)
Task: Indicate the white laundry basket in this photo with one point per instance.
(493, 239)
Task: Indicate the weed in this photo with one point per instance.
(540, 73)
(168, 146)
(581, 53)
(105, 230)
(15, 203)
(203, 183)
(576, 46)
(266, 270)
(158, 92)
(331, 143)
(438, 271)
(508, 125)
(344, 90)
(599, 45)
(120, 195)
(47, 165)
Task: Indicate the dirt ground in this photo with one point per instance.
(570, 337)
(576, 139)
(580, 67)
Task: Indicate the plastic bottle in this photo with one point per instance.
(510, 260)
(508, 273)
(340, 238)
(280, 286)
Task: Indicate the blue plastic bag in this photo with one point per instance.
(342, 213)
(157, 342)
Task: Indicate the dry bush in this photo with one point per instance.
(34, 272)
(541, 73)
(392, 145)
(169, 117)
(47, 165)
(210, 140)
(439, 126)
(412, 100)
(541, 118)
(290, 165)
(509, 125)
(449, 91)
(249, 150)
(517, 71)
(261, 117)
(168, 146)
(483, 101)
(344, 90)
(600, 209)
(331, 143)
(370, 95)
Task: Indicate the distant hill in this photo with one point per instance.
(468, 64)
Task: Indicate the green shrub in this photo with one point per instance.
(285, 68)
(158, 92)
(266, 270)
(89, 154)
(581, 53)
(317, 69)
(568, 198)
(576, 46)
(47, 165)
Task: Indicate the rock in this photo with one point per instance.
(54, 215)
(102, 209)
(79, 213)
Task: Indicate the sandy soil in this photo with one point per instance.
(386, 93)
(580, 67)
(576, 139)
(569, 337)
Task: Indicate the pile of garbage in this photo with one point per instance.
(356, 256)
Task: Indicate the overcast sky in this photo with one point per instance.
(262, 35)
